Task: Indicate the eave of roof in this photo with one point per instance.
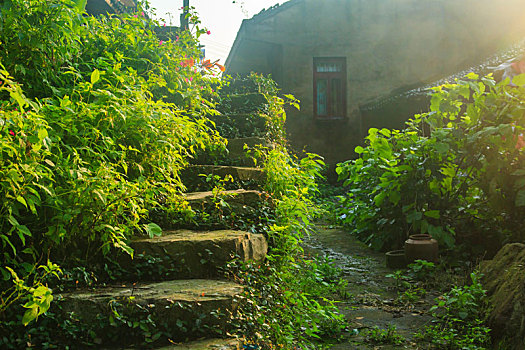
(489, 65)
(273, 10)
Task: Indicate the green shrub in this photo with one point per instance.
(454, 172)
(111, 117)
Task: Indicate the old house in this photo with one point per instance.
(337, 56)
(102, 7)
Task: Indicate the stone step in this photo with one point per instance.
(237, 149)
(242, 103)
(241, 177)
(184, 309)
(237, 152)
(207, 344)
(240, 125)
(240, 85)
(239, 197)
(245, 210)
(197, 254)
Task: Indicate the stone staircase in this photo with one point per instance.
(192, 301)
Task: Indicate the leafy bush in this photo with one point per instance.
(454, 172)
(460, 314)
(111, 117)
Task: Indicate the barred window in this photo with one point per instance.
(330, 88)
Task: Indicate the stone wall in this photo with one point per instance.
(389, 45)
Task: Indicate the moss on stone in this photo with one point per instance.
(504, 279)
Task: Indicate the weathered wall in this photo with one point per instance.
(389, 45)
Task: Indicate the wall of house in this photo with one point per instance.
(390, 45)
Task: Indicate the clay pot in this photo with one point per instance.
(421, 246)
(395, 259)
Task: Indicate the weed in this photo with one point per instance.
(459, 314)
(422, 270)
(389, 335)
(401, 280)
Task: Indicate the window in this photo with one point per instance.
(330, 88)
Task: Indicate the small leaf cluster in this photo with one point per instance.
(459, 314)
(389, 335)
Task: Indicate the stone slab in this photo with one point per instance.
(238, 172)
(237, 152)
(243, 103)
(198, 254)
(243, 177)
(241, 125)
(239, 197)
(189, 309)
(208, 344)
(504, 280)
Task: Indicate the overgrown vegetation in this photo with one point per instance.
(460, 318)
(454, 172)
(288, 298)
(389, 335)
(97, 119)
(110, 117)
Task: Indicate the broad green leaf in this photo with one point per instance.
(30, 315)
(519, 80)
(19, 99)
(12, 220)
(95, 76)
(153, 229)
(394, 197)
(80, 4)
(42, 134)
(414, 216)
(432, 214)
(379, 198)
(22, 200)
(385, 132)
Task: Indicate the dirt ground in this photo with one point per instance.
(373, 299)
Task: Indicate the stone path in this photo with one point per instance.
(372, 298)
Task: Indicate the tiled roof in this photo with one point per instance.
(490, 65)
(273, 10)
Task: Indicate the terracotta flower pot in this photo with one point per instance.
(395, 259)
(422, 247)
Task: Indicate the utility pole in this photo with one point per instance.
(184, 16)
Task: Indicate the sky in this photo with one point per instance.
(221, 17)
